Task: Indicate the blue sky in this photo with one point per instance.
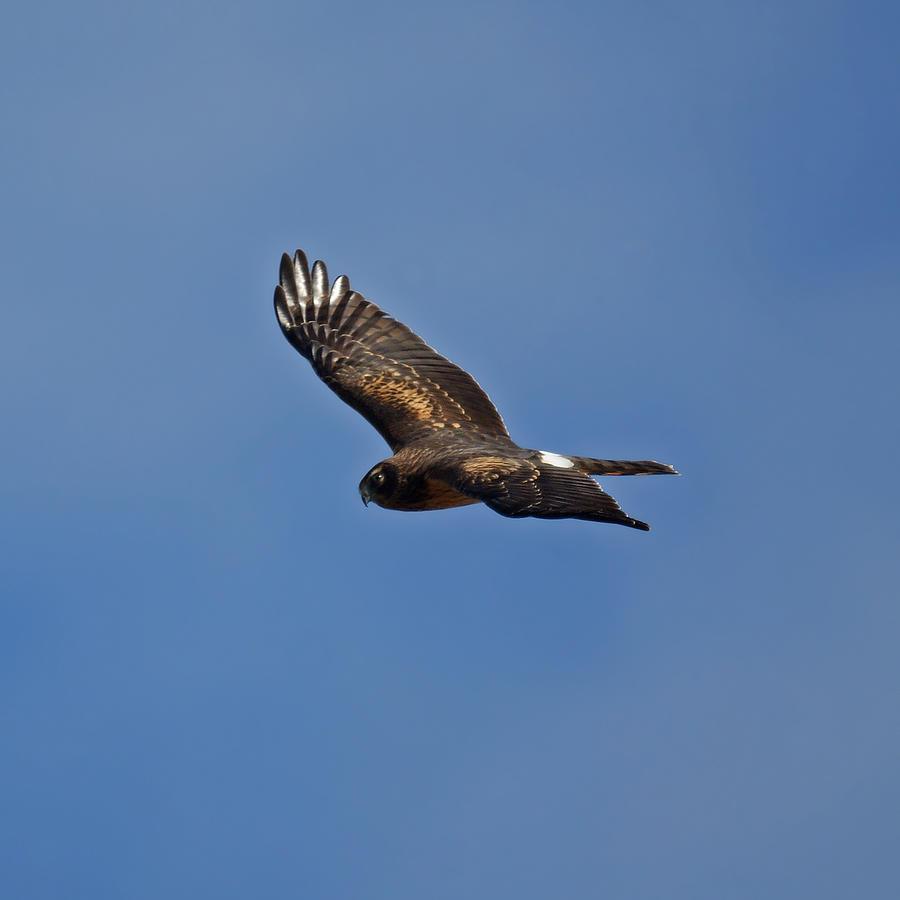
(664, 231)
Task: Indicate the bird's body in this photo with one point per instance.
(450, 445)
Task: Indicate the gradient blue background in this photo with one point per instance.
(649, 230)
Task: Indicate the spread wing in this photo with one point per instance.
(519, 487)
(376, 364)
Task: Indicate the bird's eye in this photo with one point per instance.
(378, 478)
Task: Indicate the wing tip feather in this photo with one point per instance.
(320, 285)
(282, 309)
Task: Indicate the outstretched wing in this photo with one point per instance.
(376, 364)
(519, 487)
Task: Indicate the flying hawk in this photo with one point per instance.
(450, 445)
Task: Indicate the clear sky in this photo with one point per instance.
(666, 231)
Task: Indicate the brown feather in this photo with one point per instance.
(450, 445)
(521, 487)
(376, 364)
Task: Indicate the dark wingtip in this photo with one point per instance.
(320, 285)
(641, 526)
(282, 310)
(286, 270)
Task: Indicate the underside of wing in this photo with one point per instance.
(376, 364)
(517, 488)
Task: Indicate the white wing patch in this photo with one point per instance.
(554, 459)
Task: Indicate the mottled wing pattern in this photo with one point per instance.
(519, 487)
(375, 363)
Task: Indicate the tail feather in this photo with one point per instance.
(621, 466)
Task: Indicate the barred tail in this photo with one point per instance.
(621, 466)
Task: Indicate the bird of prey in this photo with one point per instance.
(450, 446)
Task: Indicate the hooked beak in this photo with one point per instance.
(364, 493)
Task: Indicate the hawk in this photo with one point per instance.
(450, 446)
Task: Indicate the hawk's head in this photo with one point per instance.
(380, 484)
